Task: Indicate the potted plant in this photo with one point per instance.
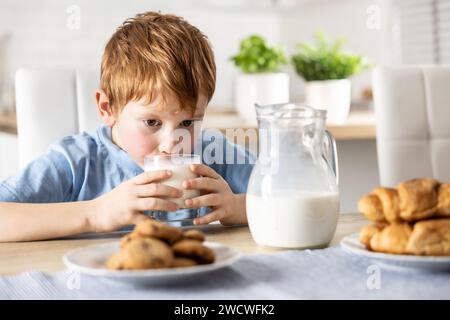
(260, 80)
(326, 68)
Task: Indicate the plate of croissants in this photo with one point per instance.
(153, 252)
(410, 226)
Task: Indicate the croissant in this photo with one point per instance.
(392, 239)
(428, 237)
(391, 203)
(443, 206)
(418, 199)
(369, 231)
(431, 237)
(413, 218)
(411, 201)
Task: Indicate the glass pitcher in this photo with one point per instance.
(292, 196)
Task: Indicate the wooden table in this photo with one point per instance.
(47, 255)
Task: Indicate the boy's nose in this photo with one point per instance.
(166, 146)
(176, 141)
(167, 143)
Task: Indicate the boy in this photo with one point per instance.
(157, 76)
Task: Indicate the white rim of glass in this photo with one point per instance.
(156, 161)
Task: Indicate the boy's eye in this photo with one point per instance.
(187, 123)
(152, 123)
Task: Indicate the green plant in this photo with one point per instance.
(325, 61)
(256, 56)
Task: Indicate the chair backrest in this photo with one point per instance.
(52, 104)
(412, 108)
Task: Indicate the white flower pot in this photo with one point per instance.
(331, 95)
(261, 88)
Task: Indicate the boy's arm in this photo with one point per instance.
(239, 216)
(228, 207)
(30, 221)
(225, 184)
(120, 207)
(35, 203)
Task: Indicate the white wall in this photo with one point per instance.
(9, 157)
(341, 18)
(40, 37)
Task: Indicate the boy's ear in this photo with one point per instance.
(104, 108)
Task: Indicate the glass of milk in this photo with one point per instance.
(179, 165)
(292, 197)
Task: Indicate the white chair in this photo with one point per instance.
(412, 107)
(52, 104)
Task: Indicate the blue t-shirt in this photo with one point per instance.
(85, 166)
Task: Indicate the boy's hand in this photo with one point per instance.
(228, 208)
(124, 204)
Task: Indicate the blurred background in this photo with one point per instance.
(73, 33)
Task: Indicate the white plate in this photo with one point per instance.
(91, 261)
(423, 263)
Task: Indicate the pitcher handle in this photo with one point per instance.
(331, 153)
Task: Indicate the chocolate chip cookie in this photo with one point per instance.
(195, 250)
(193, 234)
(155, 229)
(142, 253)
(180, 262)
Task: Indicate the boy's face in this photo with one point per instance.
(151, 129)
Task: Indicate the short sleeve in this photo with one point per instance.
(48, 179)
(238, 174)
(232, 161)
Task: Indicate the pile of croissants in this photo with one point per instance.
(413, 218)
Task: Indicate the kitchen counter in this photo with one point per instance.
(359, 125)
(8, 122)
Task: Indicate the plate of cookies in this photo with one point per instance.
(152, 252)
(410, 226)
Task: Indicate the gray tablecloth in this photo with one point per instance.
(319, 274)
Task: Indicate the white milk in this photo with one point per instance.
(296, 219)
(180, 173)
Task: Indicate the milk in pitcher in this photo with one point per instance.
(294, 218)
